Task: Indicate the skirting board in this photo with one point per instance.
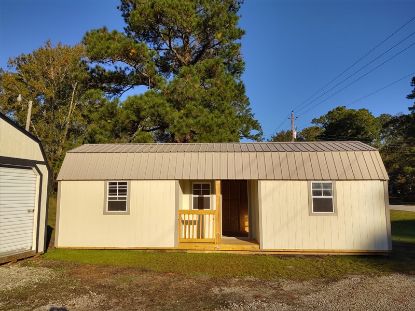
(252, 252)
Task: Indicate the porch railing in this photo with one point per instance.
(197, 225)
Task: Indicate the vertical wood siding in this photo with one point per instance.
(150, 223)
(15, 144)
(360, 222)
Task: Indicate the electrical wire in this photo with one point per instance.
(359, 78)
(359, 59)
(381, 89)
(357, 71)
(353, 64)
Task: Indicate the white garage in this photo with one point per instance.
(23, 192)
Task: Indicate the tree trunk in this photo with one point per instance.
(67, 121)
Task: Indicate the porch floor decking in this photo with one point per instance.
(226, 244)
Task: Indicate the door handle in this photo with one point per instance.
(30, 210)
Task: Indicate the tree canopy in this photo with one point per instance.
(282, 136)
(342, 123)
(187, 54)
(398, 152)
(55, 79)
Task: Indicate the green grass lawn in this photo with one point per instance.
(401, 260)
(403, 226)
(51, 220)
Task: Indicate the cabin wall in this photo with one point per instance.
(15, 144)
(185, 194)
(253, 210)
(151, 221)
(360, 224)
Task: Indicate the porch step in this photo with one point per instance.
(227, 244)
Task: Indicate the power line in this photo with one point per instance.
(357, 71)
(352, 65)
(358, 60)
(282, 123)
(381, 89)
(359, 78)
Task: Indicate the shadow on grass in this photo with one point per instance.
(404, 230)
(402, 258)
(49, 241)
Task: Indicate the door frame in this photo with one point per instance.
(240, 233)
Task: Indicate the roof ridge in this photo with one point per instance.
(314, 146)
(239, 143)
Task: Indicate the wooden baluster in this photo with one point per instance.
(210, 226)
(194, 223)
(184, 226)
(188, 226)
(200, 226)
(203, 226)
(179, 227)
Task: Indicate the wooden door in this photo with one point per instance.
(234, 208)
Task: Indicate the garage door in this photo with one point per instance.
(17, 205)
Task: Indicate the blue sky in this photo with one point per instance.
(291, 48)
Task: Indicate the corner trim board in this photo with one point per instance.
(261, 235)
(387, 214)
(58, 203)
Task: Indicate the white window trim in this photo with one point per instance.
(127, 198)
(334, 212)
(203, 195)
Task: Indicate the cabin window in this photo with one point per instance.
(322, 197)
(201, 196)
(117, 196)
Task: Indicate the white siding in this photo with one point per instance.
(18, 192)
(360, 222)
(150, 223)
(15, 144)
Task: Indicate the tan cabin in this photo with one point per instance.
(301, 197)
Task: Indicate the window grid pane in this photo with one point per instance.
(201, 195)
(322, 189)
(117, 196)
(322, 197)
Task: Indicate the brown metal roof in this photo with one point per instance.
(225, 147)
(264, 161)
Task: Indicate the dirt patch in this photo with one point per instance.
(84, 302)
(61, 286)
(14, 276)
(392, 292)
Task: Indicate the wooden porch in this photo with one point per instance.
(202, 230)
(226, 244)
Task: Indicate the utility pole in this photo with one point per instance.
(293, 132)
(29, 111)
(29, 115)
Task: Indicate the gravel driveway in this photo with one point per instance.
(80, 287)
